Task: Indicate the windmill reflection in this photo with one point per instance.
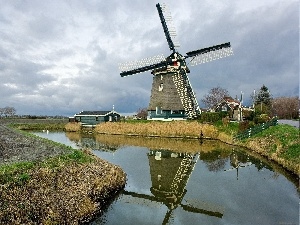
(170, 173)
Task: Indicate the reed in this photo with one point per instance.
(161, 129)
(72, 127)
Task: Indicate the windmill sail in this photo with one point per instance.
(167, 25)
(209, 54)
(130, 68)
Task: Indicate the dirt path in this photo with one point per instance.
(16, 147)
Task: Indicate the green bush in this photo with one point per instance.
(212, 117)
(262, 118)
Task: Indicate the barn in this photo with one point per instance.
(92, 118)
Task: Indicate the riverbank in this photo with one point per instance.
(43, 182)
(66, 167)
(279, 143)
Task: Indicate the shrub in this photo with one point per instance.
(212, 117)
(262, 118)
(243, 125)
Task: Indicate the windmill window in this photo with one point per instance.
(161, 87)
(158, 110)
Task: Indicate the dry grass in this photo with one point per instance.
(162, 129)
(72, 127)
(60, 195)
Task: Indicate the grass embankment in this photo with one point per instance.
(67, 189)
(39, 126)
(178, 129)
(280, 143)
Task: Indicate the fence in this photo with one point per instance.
(256, 129)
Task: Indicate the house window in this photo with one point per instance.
(161, 87)
(224, 108)
(158, 110)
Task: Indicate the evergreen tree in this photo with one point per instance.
(263, 96)
(263, 101)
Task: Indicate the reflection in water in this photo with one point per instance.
(184, 182)
(213, 153)
(170, 173)
(107, 142)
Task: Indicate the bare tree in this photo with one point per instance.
(286, 107)
(142, 113)
(214, 96)
(1, 112)
(8, 111)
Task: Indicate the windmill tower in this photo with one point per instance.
(172, 96)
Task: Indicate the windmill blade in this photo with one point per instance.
(143, 65)
(168, 27)
(209, 54)
(167, 217)
(202, 211)
(202, 207)
(128, 199)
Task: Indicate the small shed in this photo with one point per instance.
(91, 118)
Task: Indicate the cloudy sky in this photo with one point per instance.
(59, 57)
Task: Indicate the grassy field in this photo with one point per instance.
(280, 143)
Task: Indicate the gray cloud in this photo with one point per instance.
(60, 57)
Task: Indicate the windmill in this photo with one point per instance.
(172, 95)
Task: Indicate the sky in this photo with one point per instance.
(60, 57)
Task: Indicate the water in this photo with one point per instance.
(186, 182)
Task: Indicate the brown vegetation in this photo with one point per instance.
(161, 129)
(72, 127)
(286, 107)
(70, 194)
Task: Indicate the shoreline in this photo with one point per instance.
(44, 182)
(98, 192)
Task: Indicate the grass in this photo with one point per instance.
(60, 190)
(280, 143)
(72, 127)
(231, 128)
(20, 172)
(69, 188)
(38, 126)
(158, 128)
(16, 172)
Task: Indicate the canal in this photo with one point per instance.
(172, 181)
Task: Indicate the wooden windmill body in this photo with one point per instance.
(172, 96)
